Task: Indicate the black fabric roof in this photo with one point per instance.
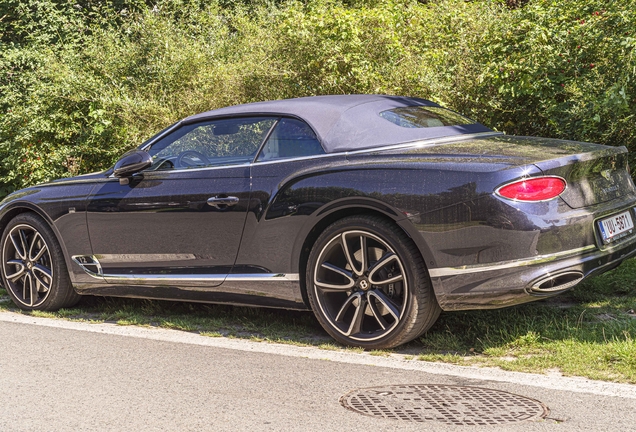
(348, 122)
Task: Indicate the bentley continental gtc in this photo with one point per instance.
(374, 212)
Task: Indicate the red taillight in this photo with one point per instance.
(533, 189)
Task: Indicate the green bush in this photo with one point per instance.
(81, 82)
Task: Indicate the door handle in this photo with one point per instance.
(223, 201)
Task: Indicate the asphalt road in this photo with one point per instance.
(56, 379)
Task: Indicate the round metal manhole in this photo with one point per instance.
(458, 405)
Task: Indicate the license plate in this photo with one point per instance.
(615, 227)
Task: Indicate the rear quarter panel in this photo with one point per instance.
(442, 197)
(444, 203)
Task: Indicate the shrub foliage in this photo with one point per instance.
(83, 81)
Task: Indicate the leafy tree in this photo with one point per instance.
(83, 81)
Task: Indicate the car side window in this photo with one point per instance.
(291, 138)
(211, 143)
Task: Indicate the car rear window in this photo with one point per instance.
(424, 117)
(291, 138)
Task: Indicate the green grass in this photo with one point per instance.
(588, 332)
(210, 320)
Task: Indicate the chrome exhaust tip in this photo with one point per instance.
(556, 283)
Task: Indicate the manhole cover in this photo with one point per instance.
(449, 404)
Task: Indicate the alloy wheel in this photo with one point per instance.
(27, 265)
(360, 285)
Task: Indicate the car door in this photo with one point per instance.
(179, 222)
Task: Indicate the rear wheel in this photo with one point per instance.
(367, 284)
(34, 272)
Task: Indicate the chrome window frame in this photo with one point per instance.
(414, 145)
(148, 145)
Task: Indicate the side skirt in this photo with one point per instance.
(278, 290)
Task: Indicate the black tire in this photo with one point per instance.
(33, 268)
(377, 300)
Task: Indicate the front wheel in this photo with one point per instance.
(368, 285)
(33, 269)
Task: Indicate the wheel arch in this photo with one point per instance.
(337, 213)
(23, 207)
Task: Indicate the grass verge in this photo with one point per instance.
(587, 332)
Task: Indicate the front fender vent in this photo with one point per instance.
(89, 264)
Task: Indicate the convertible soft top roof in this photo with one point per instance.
(348, 122)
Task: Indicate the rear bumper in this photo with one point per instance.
(513, 282)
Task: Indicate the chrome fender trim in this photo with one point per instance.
(452, 271)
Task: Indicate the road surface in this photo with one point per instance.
(89, 378)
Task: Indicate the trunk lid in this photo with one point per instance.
(594, 173)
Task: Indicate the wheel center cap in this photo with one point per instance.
(29, 265)
(364, 284)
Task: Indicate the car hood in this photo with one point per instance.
(79, 178)
(23, 193)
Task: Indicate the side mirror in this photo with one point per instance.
(131, 163)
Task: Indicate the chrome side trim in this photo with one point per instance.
(81, 260)
(453, 271)
(201, 278)
(263, 277)
(139, 279)
(188, 278)
(256, 277)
